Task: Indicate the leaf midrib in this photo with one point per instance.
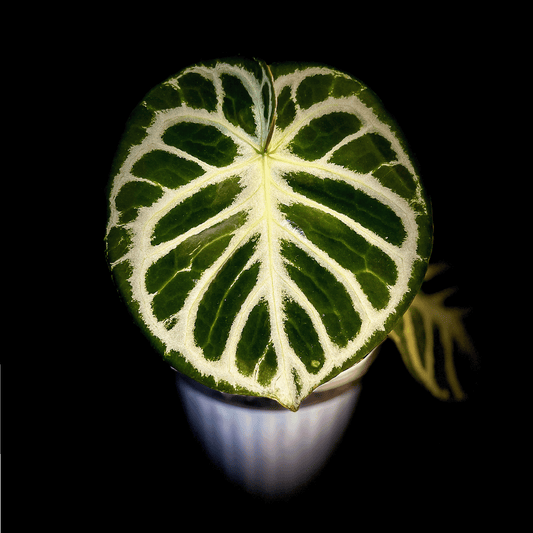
(267, 183)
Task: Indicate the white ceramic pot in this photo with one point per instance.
(264, 447)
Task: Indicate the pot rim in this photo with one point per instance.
(340, 384)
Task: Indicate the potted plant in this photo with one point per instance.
(268, 229)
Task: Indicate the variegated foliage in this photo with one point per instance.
(431, 338)
(267, 224)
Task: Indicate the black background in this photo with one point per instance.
(405, 455)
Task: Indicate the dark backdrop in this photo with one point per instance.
(404, 452)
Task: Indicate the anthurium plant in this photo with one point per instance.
(268, 228)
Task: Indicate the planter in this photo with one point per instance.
(263, 447)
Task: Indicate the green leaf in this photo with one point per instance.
(431, 338)
(267, 224)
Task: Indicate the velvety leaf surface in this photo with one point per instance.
(267, 225)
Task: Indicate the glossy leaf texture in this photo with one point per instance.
(267, 224)
(432, 340)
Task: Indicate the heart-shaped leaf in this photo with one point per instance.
(267, 225)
